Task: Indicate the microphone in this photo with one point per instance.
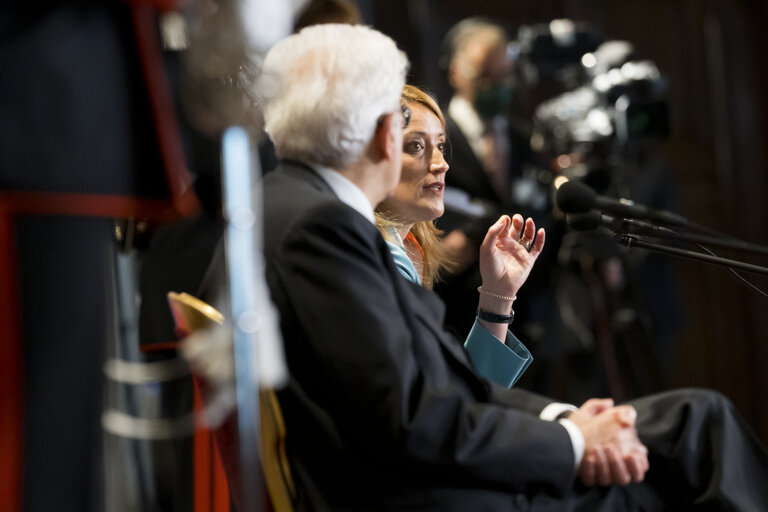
(594, 219)
(585, 221)
(575, 197)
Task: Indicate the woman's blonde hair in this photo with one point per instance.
(435, 260)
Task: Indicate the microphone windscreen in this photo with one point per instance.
(574, 197)
(583, 221)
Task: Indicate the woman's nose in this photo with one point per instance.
(438, 164)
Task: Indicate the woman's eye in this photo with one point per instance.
(441, 147)
(413, 146)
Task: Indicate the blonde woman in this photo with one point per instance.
(406, 222)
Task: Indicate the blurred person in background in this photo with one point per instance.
(80, 162)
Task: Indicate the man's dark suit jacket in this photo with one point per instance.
(383, 408)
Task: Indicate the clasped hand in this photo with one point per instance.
(613, 454)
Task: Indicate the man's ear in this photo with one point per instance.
(387, 137)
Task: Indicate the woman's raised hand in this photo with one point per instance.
(508, 252)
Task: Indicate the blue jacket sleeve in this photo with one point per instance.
(503, 363)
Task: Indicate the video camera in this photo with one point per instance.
(610, 101)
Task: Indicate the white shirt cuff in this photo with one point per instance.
(553, 410)
(577, 440)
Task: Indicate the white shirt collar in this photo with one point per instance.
(349, 193)
(466, 117)
(472, 126)
(469, 123)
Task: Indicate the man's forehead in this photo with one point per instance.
(479, 48)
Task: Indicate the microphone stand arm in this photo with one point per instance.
(631, 227)
(634, 241)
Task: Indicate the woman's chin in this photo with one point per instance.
(435, 213)
(422, 212)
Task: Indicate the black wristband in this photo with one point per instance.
(494, 318)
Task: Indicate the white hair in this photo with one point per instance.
(324, 89)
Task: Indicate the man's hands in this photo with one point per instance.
(613, 454)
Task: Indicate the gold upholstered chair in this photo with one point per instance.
(217, 458)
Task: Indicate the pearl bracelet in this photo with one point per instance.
(496, 295)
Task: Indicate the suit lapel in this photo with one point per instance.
(431, 312)
(425, 307)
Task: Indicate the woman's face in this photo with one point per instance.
(419, 194)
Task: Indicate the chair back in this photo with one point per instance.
(192, 314)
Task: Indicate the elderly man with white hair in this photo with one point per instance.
(384, 411)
